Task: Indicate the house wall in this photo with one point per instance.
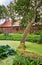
(16, 29)
(10, 29)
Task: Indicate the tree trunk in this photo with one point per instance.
(27, 31)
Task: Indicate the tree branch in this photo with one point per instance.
(38, 4)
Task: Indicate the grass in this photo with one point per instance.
(13, 44)
(32, 47)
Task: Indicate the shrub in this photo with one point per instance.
(5, 51)
(40, 40)
(23, 60)
(33, 38)
(6, 34)
(38, 32)
(17, 37)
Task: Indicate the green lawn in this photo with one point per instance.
(32, 47)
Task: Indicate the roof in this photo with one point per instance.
(16, 24)
(8, 23)
(2, 21)
(5, 23)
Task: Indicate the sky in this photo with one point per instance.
(4, 2)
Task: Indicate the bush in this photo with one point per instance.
(38, 32)
(40, 40)
(18, 37)
(33, 38)
(5, 51)
(23, 60)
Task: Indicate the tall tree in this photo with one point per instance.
(27, 9)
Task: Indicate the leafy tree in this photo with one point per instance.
(27, 9)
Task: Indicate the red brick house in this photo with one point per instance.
(6, 26)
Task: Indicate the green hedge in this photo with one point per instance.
(40, 40)
(18, 37)
(38, 32)
(33, 38)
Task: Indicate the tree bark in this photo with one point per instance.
(27, 31)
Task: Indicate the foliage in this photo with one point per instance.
(39, 26)
(6, 34)
(40, 40)
(17, 37)
(10, 8)
(22, 60)
(37, 19)
(3, 12)
(23, 23)
(22, 7)
(33, 38)
(25, 8)
(5, 51)
(38, 32)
